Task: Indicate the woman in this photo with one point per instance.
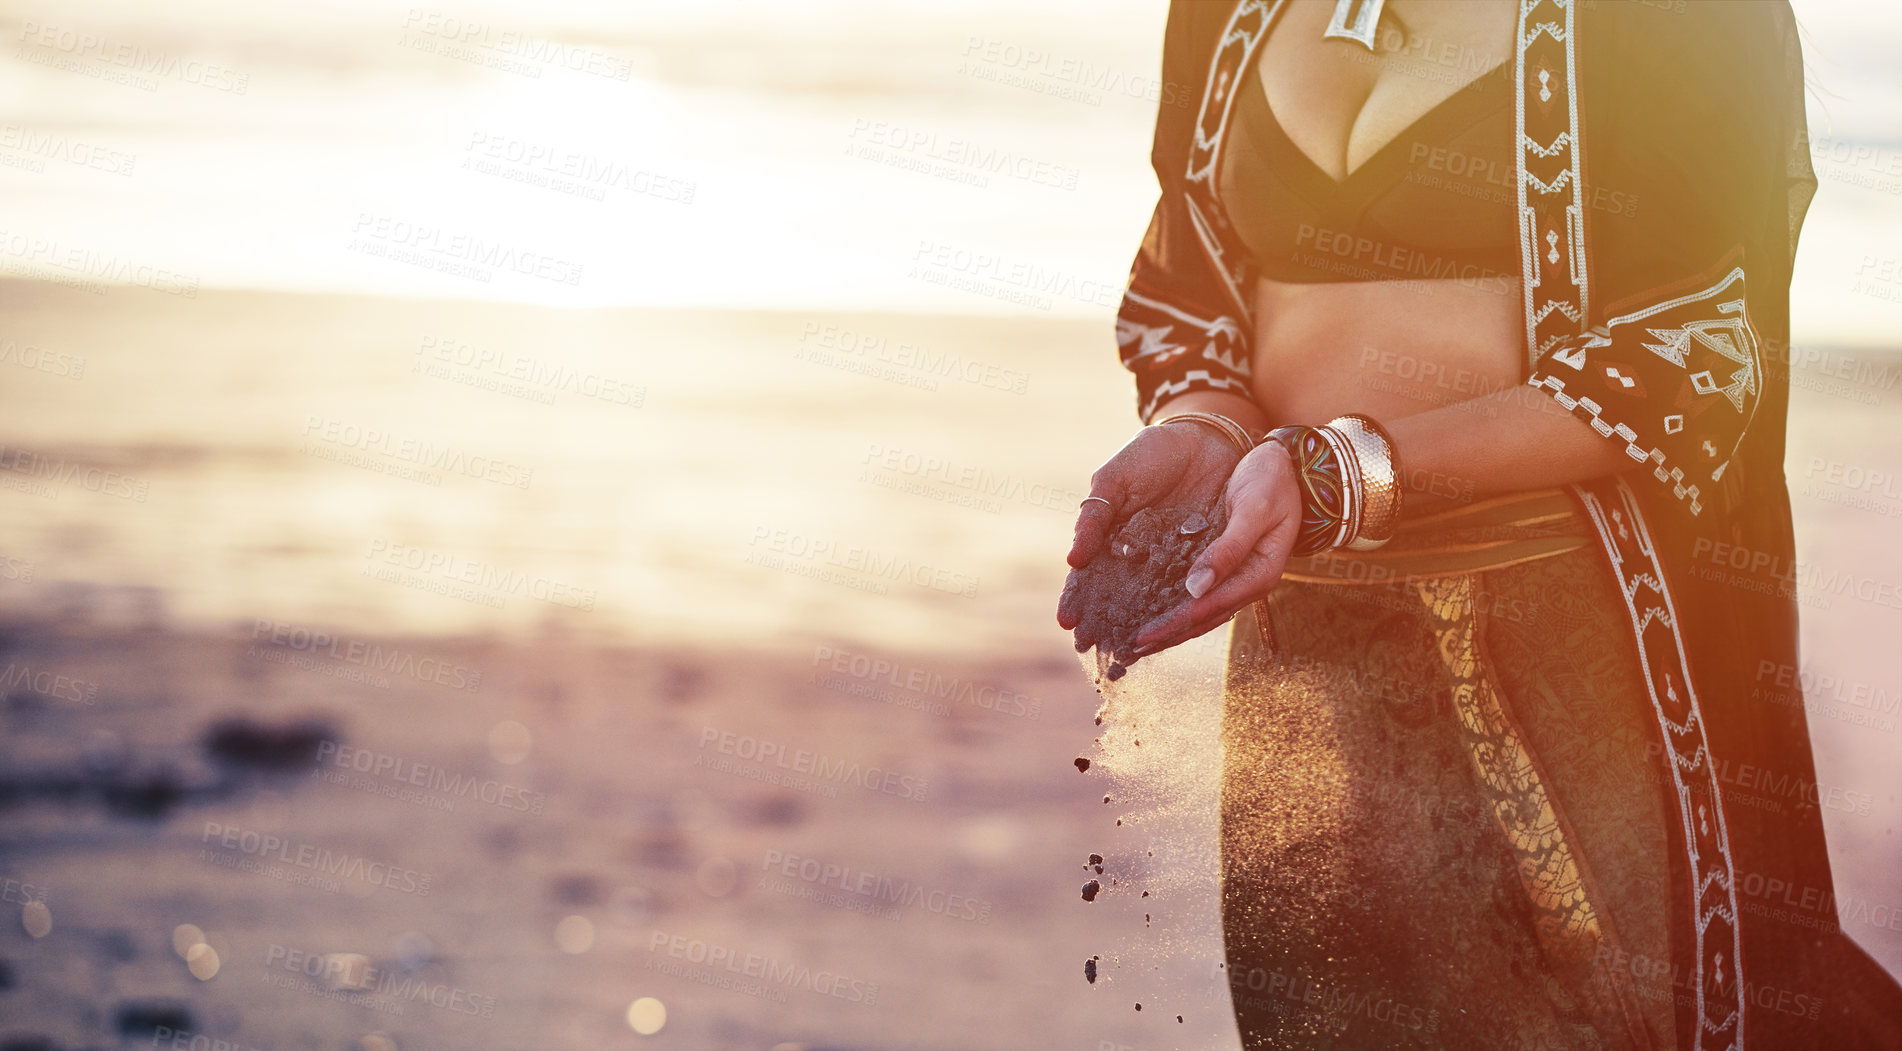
(1500, 764)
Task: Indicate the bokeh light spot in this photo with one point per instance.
(202, 960)
(646, 1016)
(184, 936)
(574, 934)
(37, 919)
(510, 742)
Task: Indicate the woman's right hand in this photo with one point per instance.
(1166, 464)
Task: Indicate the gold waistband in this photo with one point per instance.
(1484, 535)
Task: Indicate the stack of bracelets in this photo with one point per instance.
(1349, 476)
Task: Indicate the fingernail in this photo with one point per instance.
(1199, 581)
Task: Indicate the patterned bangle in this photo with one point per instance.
(1378, 467)
(1234, 432)
(1319, 472)
(1349, 480)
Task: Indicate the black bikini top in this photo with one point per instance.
(1436, 203)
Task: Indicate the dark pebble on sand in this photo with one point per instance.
(1082, 765)
(149, 795)
(142, 1018)
(1089, 970)
(1139, 1007)
(1090, 890)
(261, 746)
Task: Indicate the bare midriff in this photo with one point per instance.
(1388, 349)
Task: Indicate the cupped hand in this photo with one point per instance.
(1180, 464)
(1244, 563)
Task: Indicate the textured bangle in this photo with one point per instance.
(1350, 484)
(1378, 470)
(1319, 471)
(1234, 432)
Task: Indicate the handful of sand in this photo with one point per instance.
(1139, 575)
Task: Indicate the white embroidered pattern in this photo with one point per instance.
(1697, 793)
(1550, 210)
(1725, 344)
(1247, 26)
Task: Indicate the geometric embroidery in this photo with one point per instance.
(1718, 984)
(1707, 335)
(1551, 212)
(1557, 289)
(1147, 335)
(1727, 339)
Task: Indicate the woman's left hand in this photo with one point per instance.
(1245, 562)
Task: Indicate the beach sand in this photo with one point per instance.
(635, 660)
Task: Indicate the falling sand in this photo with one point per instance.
(1155, 886)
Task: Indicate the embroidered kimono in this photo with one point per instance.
(1661, 180)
